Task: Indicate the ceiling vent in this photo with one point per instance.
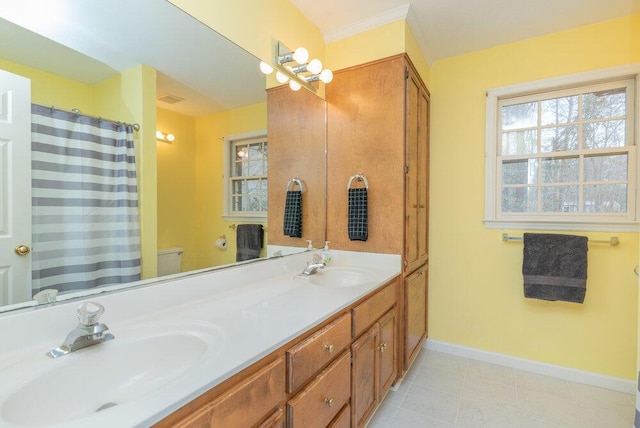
(170, 99)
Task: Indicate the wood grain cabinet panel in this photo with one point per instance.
(415, 292)
(368, 312)
(247, 404)
(312, 354)
(320, 401)
(343, 420)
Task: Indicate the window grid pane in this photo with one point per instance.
(535, 179)
(248, 180)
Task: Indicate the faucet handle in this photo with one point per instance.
(89, 312)
(317, 258)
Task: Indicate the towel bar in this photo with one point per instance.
(295, 181)
(358, 177)
(233, 226)
(613, 241)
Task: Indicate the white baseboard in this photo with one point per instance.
(566, 373)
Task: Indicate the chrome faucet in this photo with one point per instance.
(313, 266)
(88, 332)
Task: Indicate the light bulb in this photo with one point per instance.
(314, 66)
(159, 135)
(170, 137)
(301, 55)
(295, 86)
(326, 75)
(265, 68)
(282, 78)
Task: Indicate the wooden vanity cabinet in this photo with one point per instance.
(416, 294)
(256, 401)
(374, 353)
(378, 125)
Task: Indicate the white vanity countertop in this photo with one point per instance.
(251, 310)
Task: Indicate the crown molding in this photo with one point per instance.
(370, 23)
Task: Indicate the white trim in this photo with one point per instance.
(560, 372)
(366, 24)
(555, 83)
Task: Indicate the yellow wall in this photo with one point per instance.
(209, 179)
(475, 295)
(177, 186)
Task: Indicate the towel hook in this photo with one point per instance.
(358, 177)
(295, 181)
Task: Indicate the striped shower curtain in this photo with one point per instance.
(84, 202)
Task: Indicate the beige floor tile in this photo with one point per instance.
(594, 417)
(548, 407)
(384, 416)
(409, 419)
(492, 372)
(479, 414)
(544, 384)
(440, 360)
(591, 396)
(433, 403)
(442, 380)
(489, 392)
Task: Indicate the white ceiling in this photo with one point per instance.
(89, 41)
(446, 28)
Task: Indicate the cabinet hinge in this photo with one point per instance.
(406, 169)
(406, 73)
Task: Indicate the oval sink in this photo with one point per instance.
(342, 277)
(132, 366)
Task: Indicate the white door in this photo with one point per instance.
(15, 188)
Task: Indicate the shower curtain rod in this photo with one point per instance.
(77, 112)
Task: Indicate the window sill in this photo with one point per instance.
(618, 226)
(240, 218)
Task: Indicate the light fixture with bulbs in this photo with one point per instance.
(167, 138)
(295, 68)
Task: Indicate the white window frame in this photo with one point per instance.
(228, 158)
(493, 219)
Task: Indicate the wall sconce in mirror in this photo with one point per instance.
(166, 138)
(294, 67)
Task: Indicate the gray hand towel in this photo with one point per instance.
(554, 267)
(358, 215)
(249, 239)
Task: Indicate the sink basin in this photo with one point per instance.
(132, 366)
(342, 277)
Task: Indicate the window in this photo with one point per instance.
(246, 158)
(562, 156)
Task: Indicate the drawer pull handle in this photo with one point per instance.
(329, 402)
(329, 348)
(382, 347)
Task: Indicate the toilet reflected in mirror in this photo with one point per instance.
(169, 261)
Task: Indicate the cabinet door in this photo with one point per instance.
(412, 192)
(388, 352)
(423, 176)
(415, 314)
(365, 376)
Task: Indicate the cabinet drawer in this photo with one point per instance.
(306, 358)
(366, 313)
(246, 404)
(320, 402)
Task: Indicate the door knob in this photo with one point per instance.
(22, 250)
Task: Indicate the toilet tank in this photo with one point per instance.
(169, 261)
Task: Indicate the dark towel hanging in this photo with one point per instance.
(293, 214)
(358, 215)
(249, 238)
(554, 267)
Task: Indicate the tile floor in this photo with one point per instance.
(443, 390)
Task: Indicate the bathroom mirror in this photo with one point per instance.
(214, 75)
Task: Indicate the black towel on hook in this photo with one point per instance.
(554, 267)
(293, 214)
(249, 240)
(358, 215)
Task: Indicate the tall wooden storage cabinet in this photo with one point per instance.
(378, 125)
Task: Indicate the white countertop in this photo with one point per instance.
(252, 310)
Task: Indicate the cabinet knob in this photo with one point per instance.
(328, 402)
(382, 347)
(329, 348)
(422, 205)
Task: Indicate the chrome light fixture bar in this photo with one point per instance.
(301, 74)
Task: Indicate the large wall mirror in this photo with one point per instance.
(148, 62)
